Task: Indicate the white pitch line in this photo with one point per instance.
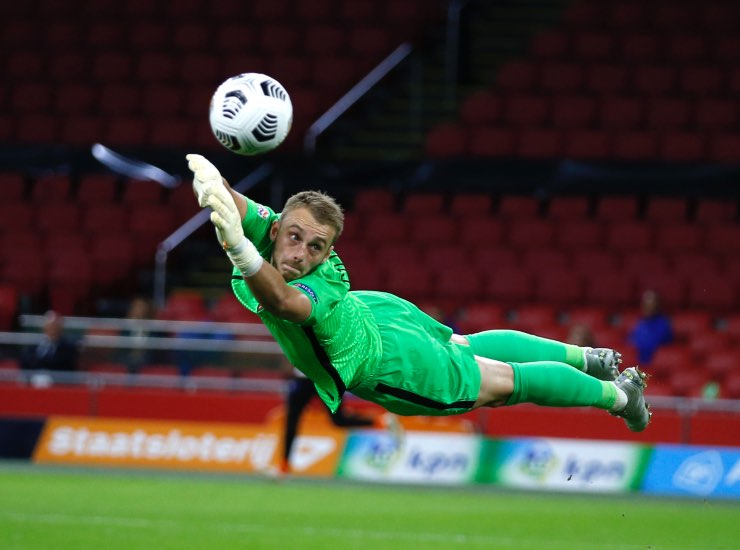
(317, 532)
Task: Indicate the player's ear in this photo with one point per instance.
(274, 230)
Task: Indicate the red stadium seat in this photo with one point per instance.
(446, 140)
(95, 189)
(607, 79)
(568, 208)
(487, 141)
(374, 201)
(324, 39)
(673, 16)
(540, 143)
(559, 286)
(654, 80)
(481, 316)
(666, 209)
(635, 145)
(482, 108)
(481, 230)
(508, 285)
(587, 144)
(579, 234)
(550, 44)
(609, 289)
(516, 76)
(386, 227)
(712, 291)
(459, 285)
(694, 264)
(671, 358)
(13, 185)
(596, 260)
(665, 113)
(53, 188)
(531, 318)
(470, 204)
(639, 47)
(711, 211)
(530, 233)
(573, 111)
(687, 324)
(433, 231)
(445, 254)
(140, 192)
(399, 253)
(678, 237)
(492, 258)
(701, 80)
(116, 99)
(629, 236)
(425, 204)
(723, 239)
(619, 112)
(724, 147)
(716, 114)
(520, 207)
(56, 216)
(591, 46)
(595, 318)
(688, 383)
(687, 47)
(721, 364)
(75, 98)
(526, 110)
(705, 344)
(544, 258)
(370, 42)
(414, 282)
(561, 77)
(683, 147)
(627, 15)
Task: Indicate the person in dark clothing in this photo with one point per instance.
(56, 351)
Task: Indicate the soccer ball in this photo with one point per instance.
(250, 114)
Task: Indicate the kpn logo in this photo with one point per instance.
(383, 452)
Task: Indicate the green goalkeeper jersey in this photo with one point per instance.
(340, 337)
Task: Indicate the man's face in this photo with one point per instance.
(301, 243)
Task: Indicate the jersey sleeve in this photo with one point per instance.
(256, 224)
(324, 287)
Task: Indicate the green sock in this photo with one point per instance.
(520, 347)
(555, 384)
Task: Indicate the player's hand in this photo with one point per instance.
(240, 250)
(225, 217)
(206, 179)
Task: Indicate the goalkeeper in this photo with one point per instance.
(379, 346)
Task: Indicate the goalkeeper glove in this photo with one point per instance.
(240, 250)
(206, 179)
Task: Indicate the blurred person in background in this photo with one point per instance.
(300, 392)
(56, 351)
(652, 330)
(381, 347)
(134, 357)
(581, 335)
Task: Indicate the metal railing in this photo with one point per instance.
(354, 95)
(189, 227)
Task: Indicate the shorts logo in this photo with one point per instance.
(263, 212)
(308, 290)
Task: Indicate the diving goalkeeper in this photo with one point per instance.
(383, 348)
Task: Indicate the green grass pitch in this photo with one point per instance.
(67, 508)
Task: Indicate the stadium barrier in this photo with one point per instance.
(369, 455)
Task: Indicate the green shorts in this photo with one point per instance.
(420, 372)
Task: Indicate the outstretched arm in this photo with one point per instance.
(265, 282)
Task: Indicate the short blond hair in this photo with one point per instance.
(323, 208)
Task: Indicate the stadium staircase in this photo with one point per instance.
(393, 120)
